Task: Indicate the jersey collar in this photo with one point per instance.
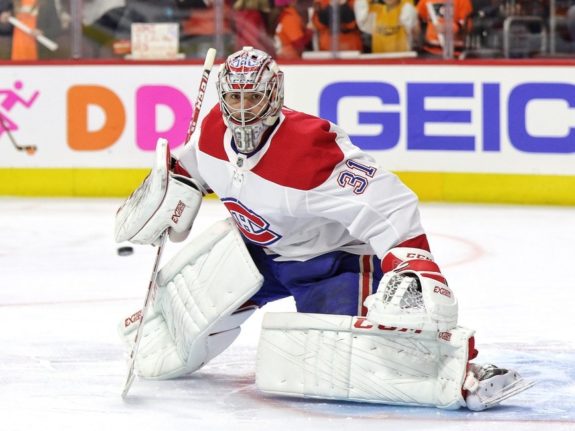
(249, 161)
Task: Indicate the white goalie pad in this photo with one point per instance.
(163, 201)
(349, 358)
(196, 310)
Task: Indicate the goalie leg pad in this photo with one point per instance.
(350, 358)
(195, 313)
(158, 357)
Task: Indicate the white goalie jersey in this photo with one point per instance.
(321, 195)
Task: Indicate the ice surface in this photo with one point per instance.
(64, 289)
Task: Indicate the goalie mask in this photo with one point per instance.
(250, 90)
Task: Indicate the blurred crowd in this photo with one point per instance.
(294, 29)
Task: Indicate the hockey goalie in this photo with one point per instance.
(315, 218)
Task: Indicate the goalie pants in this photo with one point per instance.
(333, 283)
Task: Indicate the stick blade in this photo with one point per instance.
(129, 380)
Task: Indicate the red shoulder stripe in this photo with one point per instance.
(212, 137)
(303, 152)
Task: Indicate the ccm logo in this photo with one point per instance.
(178, 212)
(417, 256)
(136, 317)
(442, 291)
(363, 323)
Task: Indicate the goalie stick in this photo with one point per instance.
(208, 63)
(30, 149)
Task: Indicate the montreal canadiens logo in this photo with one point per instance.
(252, 226)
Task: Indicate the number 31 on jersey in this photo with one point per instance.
(357, 176)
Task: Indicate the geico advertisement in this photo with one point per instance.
(450, 118)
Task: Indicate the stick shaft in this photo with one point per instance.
(208, 64)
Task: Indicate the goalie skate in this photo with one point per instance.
(488, 385)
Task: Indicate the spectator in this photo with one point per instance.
(23, 45)
(199, 28)
(432, 12)
(48, 17)
(251, 18)
(392, 24)
(6, 10)
(349, 36)
(291, 34)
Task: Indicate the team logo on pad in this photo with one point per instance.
(251, 225)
